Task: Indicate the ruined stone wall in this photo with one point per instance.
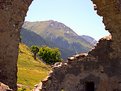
(70, 76)
(111, 12)
(96, 67)
(12, 14)
(74, 76)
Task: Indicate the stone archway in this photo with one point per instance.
(12, 14)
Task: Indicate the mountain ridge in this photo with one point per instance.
(55, 34)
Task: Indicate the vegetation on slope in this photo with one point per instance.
(49, 55)
(30, 71)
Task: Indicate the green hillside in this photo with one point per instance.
(30, 71)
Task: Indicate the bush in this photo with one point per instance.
(49, 55)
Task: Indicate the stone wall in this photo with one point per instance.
(12, 14)
(96, 67)
(111, 12)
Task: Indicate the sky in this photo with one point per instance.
(79, 15)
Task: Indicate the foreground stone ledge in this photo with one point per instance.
(4, 87)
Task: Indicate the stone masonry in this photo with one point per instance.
(103, 70)
(12, 14)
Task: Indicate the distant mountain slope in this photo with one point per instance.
(30, 38)
(89, 39)
(54, 34)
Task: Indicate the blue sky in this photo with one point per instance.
(79, 15)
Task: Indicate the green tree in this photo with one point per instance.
(34, 50)
(49, 55)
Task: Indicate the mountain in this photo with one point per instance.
(30, 71)
(31, 38)
(89, 39)
(54, 34)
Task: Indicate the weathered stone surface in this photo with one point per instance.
(111, 12)
(103, 70)
(96, 67)
(12, 14)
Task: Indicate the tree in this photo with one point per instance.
(20, 39)
(35, 50)
(49, 55)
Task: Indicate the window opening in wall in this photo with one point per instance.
(89, 86)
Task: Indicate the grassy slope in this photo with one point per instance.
(30, 71)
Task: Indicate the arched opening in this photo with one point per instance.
(87, 23)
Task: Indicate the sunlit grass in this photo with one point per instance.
(30, 71)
